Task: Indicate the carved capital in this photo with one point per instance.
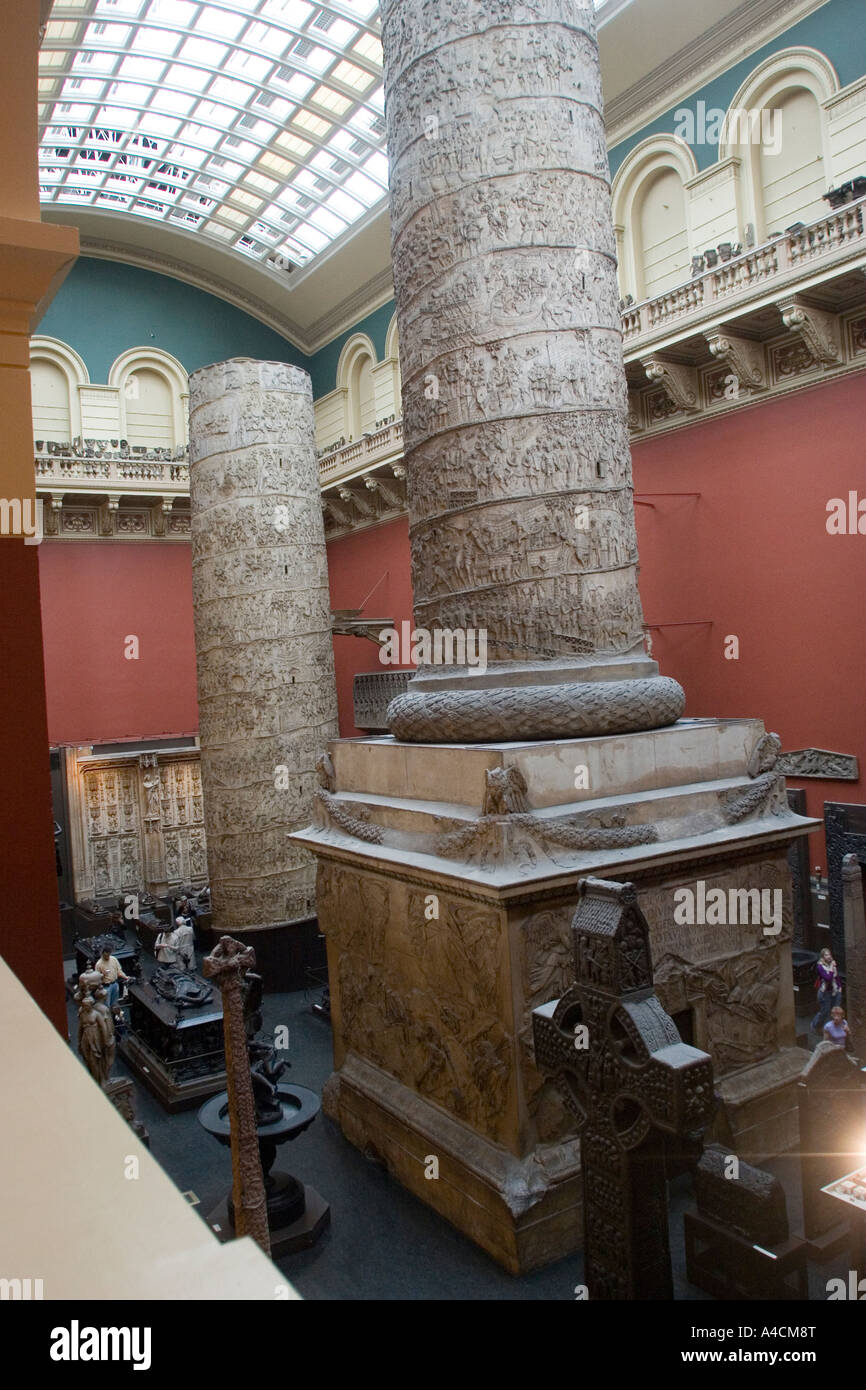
(817, 328)
(744, 357)
(679, 382)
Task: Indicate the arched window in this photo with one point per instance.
(775, 126)
(355, 376)
(792, 175)
(56, 372)
(659, 229)
(651, 216)
(154, 393)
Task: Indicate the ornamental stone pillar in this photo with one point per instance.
(266, 693)
(514, 391)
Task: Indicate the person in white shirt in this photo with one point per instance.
(110, 969)
(185, 937)
(166, 947)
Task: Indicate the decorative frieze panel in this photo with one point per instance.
(137, 822)
(112, 521)
(819, 762)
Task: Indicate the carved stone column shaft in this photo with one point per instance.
(267, 700)
(514, 392)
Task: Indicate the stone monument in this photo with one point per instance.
(450, 853)
(267, 698)
(629, 1080)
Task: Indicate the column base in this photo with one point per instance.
(524, 1213)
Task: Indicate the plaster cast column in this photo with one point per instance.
(514, 392)
(267, 698)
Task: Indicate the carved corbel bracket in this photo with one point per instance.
(52, 506)
(161, 512)
(355, 497)
(679, 382)
(389, 495)
(108, 514)
(342, 516)
(745, 358)
(818, 329)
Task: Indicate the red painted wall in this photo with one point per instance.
(371, 565)
(752, 556)
(93, 598)
(30, 921)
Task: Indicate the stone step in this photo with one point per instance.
(690, 751)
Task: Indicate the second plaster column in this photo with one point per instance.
(267, 697)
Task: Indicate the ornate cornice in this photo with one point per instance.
(753, 24)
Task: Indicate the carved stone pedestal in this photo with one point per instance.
(447, 882)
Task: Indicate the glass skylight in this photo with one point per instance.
(257, 123)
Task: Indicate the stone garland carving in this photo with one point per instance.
(543, 711)
(766, 796)
(356, 824)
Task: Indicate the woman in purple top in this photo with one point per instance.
(829, 989)
(836, 1028)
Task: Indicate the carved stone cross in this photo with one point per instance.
(628, 1080)
(227, 964)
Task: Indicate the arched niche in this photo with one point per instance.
(650, 213)
(153, 390)
(56, 373)
(776, 126)
(355, 375)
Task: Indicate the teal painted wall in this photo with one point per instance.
(322, 366)
(103, 308)
(838, 30)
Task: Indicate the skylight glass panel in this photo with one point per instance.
(155, 41)
(221, 23)
(363, 188)
(203, 51)
(115, 8)
(264, 91)
(267, 39)
(291, 13)
(179, 13)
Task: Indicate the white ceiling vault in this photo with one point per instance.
(239, 145)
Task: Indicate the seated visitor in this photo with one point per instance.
(184, 908)
(836, 1028)
(828, 987)
(185, 942)
(110, 969)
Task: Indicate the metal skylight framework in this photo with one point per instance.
(257, 123)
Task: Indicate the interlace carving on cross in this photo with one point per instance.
(635, 1071)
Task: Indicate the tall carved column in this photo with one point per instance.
(514, 392)
(267, 699)
(448, 875)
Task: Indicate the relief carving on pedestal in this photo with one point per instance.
(420, 996)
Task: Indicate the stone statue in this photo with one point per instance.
(96, 1042)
